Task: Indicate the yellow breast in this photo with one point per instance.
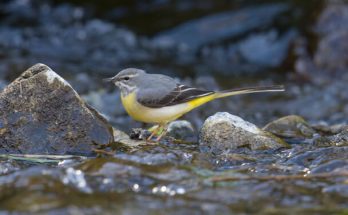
(161, 115)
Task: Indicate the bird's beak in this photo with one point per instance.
(112, 79)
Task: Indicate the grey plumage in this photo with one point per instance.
(156, 90)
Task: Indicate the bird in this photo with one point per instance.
(160, 99)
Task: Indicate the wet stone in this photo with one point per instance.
(123, 138)
(182, 130)
(290, 127)
(223, 132)
(340, 139)
(139, 134)
(41, 113)
(324, 128)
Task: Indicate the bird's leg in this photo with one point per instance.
(164, 132)
(153, 133)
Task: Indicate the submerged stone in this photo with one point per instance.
(41, 113)
(223, 132)
(290, 127)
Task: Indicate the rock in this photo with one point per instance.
(41, 113)
(217, 27)
(292, 126)
(124, 139)
(182, 130)
(340, 139)
(139, 134)
(223, 132)
(323, 127)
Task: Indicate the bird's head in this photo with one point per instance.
(127, 80)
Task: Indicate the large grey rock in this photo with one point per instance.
(223, 132)
(41, 113)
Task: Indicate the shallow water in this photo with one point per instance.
(179, 179)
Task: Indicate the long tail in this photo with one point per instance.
(247, 90)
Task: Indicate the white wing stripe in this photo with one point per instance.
(188, 89)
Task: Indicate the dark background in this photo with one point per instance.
(209, 44)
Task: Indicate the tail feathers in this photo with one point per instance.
(247, 90)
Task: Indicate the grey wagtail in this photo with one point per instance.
(159, 99)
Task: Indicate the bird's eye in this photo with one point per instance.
(126, 78)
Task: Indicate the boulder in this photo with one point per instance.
(223, 132)
(40, 113)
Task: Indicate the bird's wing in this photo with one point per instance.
(178, 95)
